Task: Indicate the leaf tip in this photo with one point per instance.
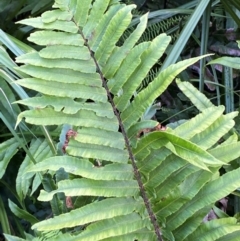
(19, 119)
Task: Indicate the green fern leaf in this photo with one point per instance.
(107, 208)
(227, 152)
(191, 224)
(77, 148)
(113, 32)
(144, 234)
(151, 56)
(231, 62)
(88, 187)
(199, 123)
(178, 146)
(66, 26)
(133, 59)
(212, 192)
(197, 98)
(100, 29)
(213, 133)
(87, 92)
(83, 66)
(84, 168)
(231, 237)
(215, 229)
(92, 92)
(89, 81)
(81, 118)
(106, 228)
(68, 105)
(54, 38)
(147, 96)
(122, 52)
(230, 140)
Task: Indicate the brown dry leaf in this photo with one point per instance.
(69, 203)
(158, 127)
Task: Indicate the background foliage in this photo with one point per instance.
(176, 174)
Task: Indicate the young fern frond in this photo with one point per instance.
(89, 82)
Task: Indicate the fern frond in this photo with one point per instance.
(150, 77)
(164, 26)
(150, 173)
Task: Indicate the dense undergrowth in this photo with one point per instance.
(104, 137)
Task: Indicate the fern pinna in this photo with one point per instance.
(155, 187)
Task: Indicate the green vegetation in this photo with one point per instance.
(105, 134)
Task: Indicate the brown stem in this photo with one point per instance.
(131, 156)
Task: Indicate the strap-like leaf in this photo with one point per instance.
(63, 51)
(59, 89)
(88, 187)
(51, 16)
(231, 62)
(84, 66)
(107, 208)
(81, 118)
(55, 38)
(85, 168)
(68, 105)
(82, 149)
(108, 228)
(66, 26)
(196, 97)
